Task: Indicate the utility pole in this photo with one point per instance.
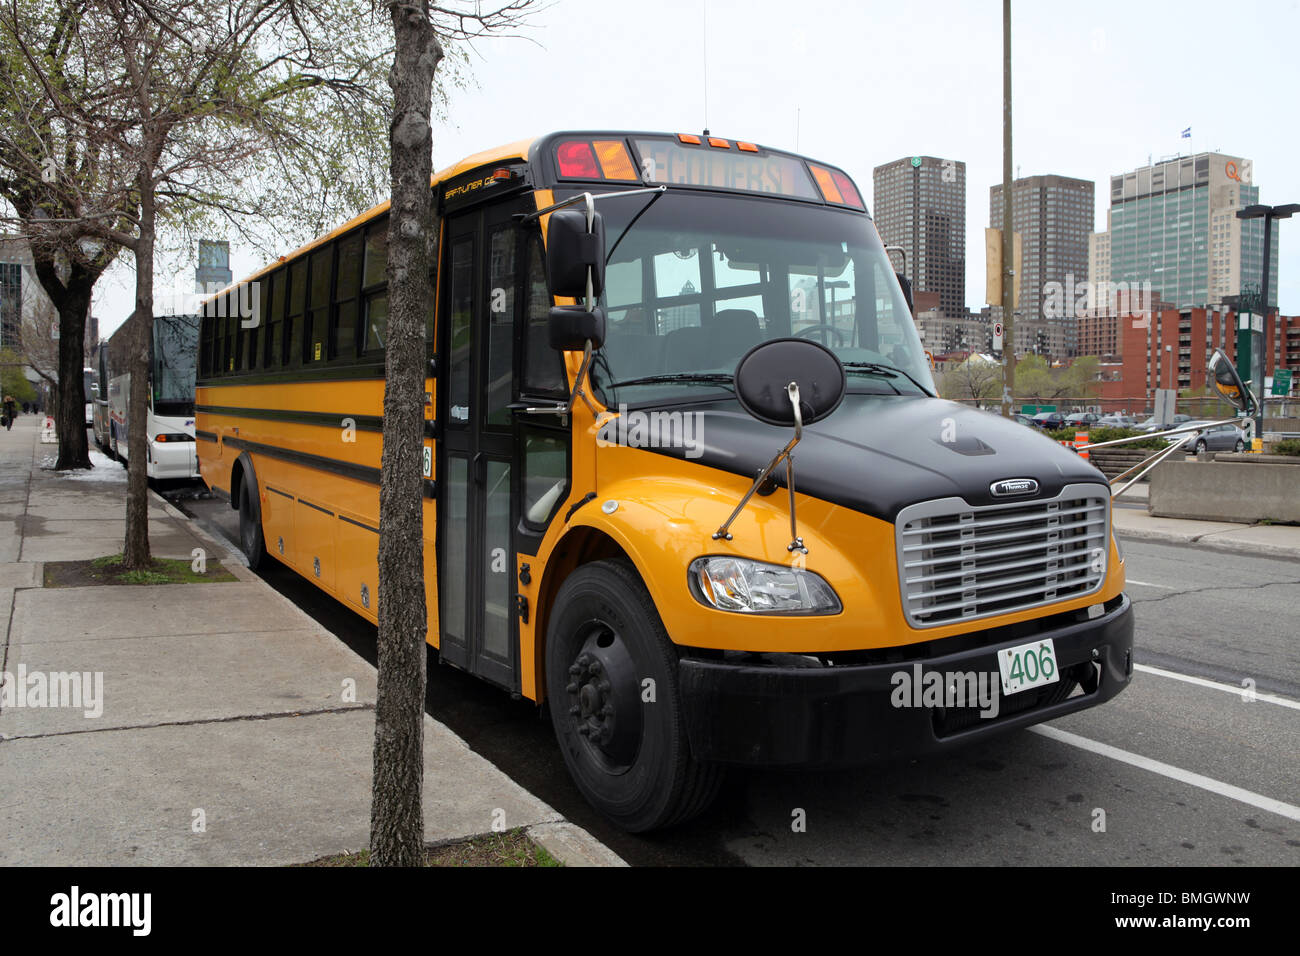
(1008, 262)
(1252, 367)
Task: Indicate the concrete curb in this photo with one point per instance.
(567, 842)
(1205, 540)
(572, 845)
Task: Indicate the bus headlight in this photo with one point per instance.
(755, 587)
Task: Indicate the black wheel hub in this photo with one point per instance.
(604, 700)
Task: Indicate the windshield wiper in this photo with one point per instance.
(684, 378)
(885, 371)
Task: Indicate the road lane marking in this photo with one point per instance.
(1175, 773)
(1149, 584)
(1215, 685)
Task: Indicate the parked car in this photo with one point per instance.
(1024, 420)
(1152, 425)
(1049, 420)
(1212, 438)
(1082, 419)
(1117, 421)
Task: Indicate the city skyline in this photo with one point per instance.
(1080, 110)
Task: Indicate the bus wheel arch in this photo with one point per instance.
(245, 497)
(580, 545)
(625, 747)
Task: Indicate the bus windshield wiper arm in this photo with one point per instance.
(685, 378)
(886, 371)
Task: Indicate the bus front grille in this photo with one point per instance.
(957, 562)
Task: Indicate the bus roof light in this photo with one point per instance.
(615, 163)
(847, 189)
(747, 147)
(576, 160)
(689, 138)
(830, 192)
(717, 143)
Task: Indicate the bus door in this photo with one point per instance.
(481, 273)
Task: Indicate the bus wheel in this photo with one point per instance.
(250, 530)
(611, 678)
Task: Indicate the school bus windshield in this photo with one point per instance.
(699, 279)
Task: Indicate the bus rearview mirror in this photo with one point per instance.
(1229, 384)
(571, 327)
(906, 286)
(573, 253)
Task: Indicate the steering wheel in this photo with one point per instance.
(840, 335)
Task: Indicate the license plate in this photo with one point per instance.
(1028, 666)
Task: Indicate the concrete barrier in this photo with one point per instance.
(1225, 491)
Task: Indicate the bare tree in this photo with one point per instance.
(975, 378)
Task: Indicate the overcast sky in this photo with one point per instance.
(1099, 88)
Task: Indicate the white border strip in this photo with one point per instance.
(1215, 685)
(1176, 773)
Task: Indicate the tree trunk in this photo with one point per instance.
(136, 554)
(68, 399)
(397, 813)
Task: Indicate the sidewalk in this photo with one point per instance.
(1279, 541)
(227, 734)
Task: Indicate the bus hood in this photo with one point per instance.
(879, 454)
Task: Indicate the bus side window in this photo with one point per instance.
(205, 346)
(297, 305)
(263, 293)
(274, 320)
(346, 288)
(318, 305)
(502, 280)
(241, 298)
(543, 365)
(373, 283)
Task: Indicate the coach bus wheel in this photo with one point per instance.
(611, 678)
(250, 530)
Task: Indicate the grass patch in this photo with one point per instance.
(512, 848)
(109, 570)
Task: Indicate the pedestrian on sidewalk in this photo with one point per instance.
(9, 412)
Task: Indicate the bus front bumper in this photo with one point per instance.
(761, 713)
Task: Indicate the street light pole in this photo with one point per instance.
(1268, 214)
(1008, 263)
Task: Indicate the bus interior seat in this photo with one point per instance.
(684, 347)
(732, 333)
(635, 355)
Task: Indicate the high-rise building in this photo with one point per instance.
(1054, 216)
(15, 260)
(1174, 224)
(1099, 258)
(919, 203)
(213, 271)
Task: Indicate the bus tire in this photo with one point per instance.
(629, 757)
(250, 528)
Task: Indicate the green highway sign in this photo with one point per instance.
(1035, 409)
(1282, 382)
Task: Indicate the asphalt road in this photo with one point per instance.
(1183, 768)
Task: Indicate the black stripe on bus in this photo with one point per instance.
(335, 373)
(284, 494)
(205, 436)
(346, 469)
(359, 524)
(302, 501)
(365, 423)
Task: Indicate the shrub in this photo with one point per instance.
(1108, 434)
(1289, 447)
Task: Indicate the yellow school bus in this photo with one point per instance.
(687, 480)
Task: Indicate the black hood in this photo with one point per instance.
(879, 454)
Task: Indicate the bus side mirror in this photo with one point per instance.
(1228, 383)
(573, 253)
(571, 327)
(906, 286)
